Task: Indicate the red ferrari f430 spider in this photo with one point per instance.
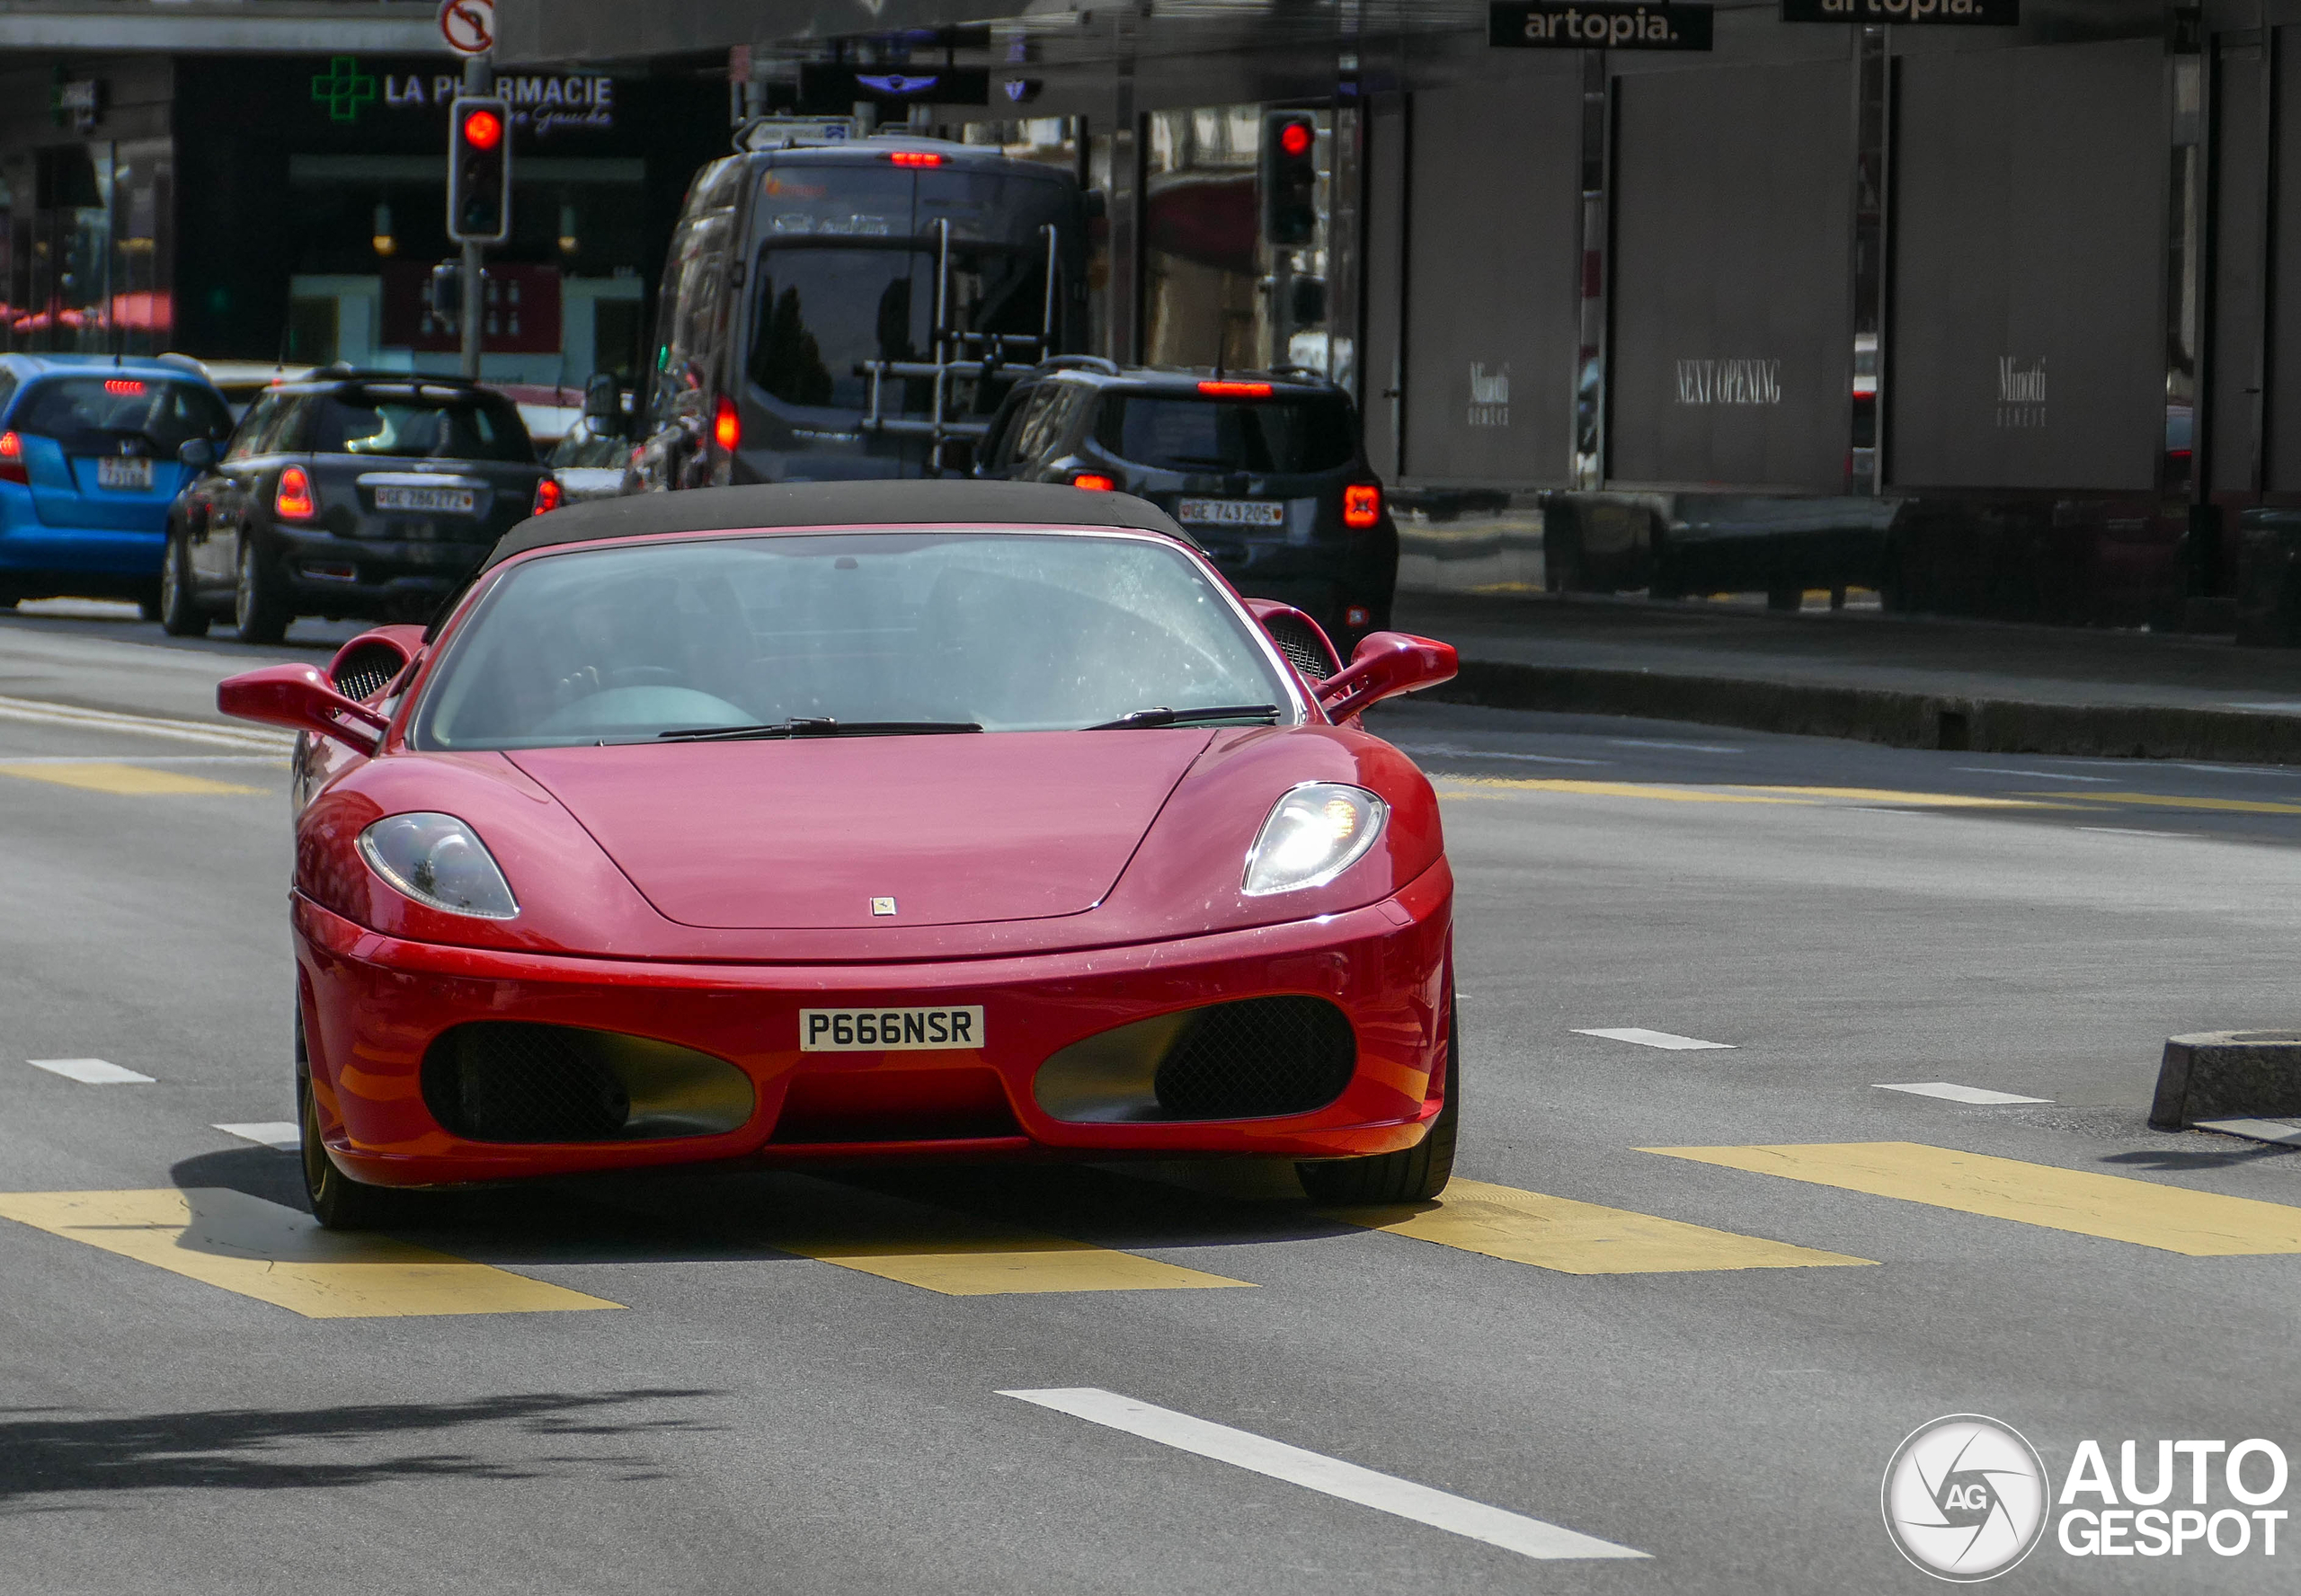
(874, 820)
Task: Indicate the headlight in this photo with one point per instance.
(1313, 834)
(437, 860)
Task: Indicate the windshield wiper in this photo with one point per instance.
(815, 726)
(1188, 717)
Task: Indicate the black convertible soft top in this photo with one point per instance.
(832, 504)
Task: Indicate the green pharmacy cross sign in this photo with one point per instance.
(344, 89)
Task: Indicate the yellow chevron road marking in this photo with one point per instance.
(258, 1249)
(1579, 1237)
(2171, 1219)
(127, 780)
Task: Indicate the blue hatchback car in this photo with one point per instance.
(88, 466)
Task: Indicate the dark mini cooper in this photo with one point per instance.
(367, 494)
(1266, 471)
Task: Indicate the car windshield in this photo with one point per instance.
(1288, 435)
(1008, 631)
(820, 311)
(445, 425)
(95, 415)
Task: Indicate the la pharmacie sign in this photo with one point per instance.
(1553, 24)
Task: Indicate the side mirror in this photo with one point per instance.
(1383, 666)
(198, 453)
(1300, 638)
(300, 698)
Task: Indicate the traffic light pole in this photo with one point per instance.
(478, 79)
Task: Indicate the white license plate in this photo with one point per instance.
(1232, 512)
(441, 501)
(129, 474)
(881, 1030)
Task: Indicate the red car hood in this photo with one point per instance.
(803, 835)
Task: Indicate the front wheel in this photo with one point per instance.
(259, 605)
(339, 1203)
(1413, 1174)
(180, 616)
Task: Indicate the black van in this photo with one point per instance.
(855, 308)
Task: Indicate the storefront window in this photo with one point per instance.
(1216, 291)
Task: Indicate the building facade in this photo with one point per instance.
(1981, 309)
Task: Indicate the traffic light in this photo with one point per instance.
(479, 171)
(1290, 178)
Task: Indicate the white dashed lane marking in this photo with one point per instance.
(282, 1134)
(1464, 753)
(2041, 775)
(248, 739)
(1652, 1039)
(1314, 1471)
(1952, 1092)
(1683, 748)
(94, 1072)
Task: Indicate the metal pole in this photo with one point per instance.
(479, 78)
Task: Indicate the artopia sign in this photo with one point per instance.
(1986, 13)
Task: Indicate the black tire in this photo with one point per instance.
(180, 615)
(1786, 597)
(1416, 1175)
(261, 608)
(338, 1202)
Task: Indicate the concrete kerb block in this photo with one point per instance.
(2227, 1074)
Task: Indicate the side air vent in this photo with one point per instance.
(1300, 645)
(367, 670)
(1253, 1058)
(512, 1081)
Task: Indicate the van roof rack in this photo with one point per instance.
(1080, 363)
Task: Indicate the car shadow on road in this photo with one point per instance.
(716, 1215)
(46, 1453)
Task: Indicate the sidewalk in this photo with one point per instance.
(1914, 682)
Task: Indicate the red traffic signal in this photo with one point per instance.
(479, 170)
(1290, 178)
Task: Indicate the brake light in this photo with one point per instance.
(915, 158)
(122, 385)
(293, 499)
(1223, 389)
(11, 460)
(1094, 482)
(1362, 506)
(726, 425)
(548, 496)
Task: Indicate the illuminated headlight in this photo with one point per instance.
(1314, 834)
(437, 860)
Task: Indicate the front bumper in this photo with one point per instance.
(373, 1005)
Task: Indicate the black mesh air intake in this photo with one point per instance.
(506, 1081)
(368, 669)
(1300, 644)
(1258, 1057)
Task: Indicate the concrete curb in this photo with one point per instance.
(2227, 1075)
(1875, 714)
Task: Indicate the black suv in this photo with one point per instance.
(1265, 470)
(369, 494)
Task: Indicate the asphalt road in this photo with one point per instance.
(765, 1409)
